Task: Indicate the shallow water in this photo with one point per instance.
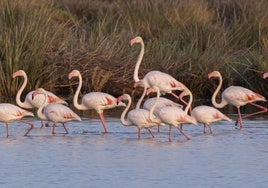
(88, 158)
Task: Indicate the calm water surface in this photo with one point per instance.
(88, 158)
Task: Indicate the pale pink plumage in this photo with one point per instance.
(175, 116)
(38, 100)
(98, 101)
(165, 82)
(138, 117)
(237, 96)
(10, 113)
(54, 112)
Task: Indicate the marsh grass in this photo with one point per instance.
(186, 39)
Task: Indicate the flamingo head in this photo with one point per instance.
(38, 91)
(191, 119)
(265, 75)
(122, 98)
(74, 73)
(214, 74)
(137, 39)
(18, 73)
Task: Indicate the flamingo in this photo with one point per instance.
(174, 116)
(30, 103)
(265, 75)
(205, 114)
(10, 113)
(236, 96)
(55, 112)
(165, 82)
(98, 101)
(139, 117)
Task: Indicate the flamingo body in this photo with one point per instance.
(207, 115)
(10, 113)
(162, 101)
(165, 82)
(236, 96)
(54, 112)
(98, 101)
(29, 102)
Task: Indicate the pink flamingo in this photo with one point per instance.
(10, 113)
(55, 112)
(174, 116)
(165, 82)
(139, 117)
(205, 114)
(98, 101)
(265, 75)
(237, 96)
(29, 102)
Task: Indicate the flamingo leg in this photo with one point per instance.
(184, 134)
(150, 132)
(139, 133)
(211, 132)
(53, 128)
(63, 124)
(204, 130)
(7, 130)
(264, 109)
(26, 122)
(158, 128)
(239, 117)
(42, 124)
(170, 133)
(103, 122)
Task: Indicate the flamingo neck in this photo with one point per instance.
(154, 105)
(40, 111)
(138, 105)
(214, 102)
(189, 103)
(136, 70)
(75, 99)
(18, 96)
(123, 115)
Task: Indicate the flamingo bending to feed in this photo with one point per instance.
(55, 112)
(205, 114)
(174, 116)
(165, 82)
(10, 113)
(29, 102)
(237, 96)
(98, 101)
(265, 75)
(139, 117)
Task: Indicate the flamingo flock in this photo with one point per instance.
(154, 112)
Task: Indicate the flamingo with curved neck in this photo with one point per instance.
(205, 114)
(237, 96)
(165, 82)
(55, 112)
(98, 101)
(141, 118)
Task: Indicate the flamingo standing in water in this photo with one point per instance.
(237, 96)
(29, 102)
(265, 75)
(139, 117)
(165, 82)
(55, 112)
(174, 116)
(161, 101)
(205, 114)
(10, 113)
(98, 101)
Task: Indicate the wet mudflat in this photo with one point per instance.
(88, 158)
